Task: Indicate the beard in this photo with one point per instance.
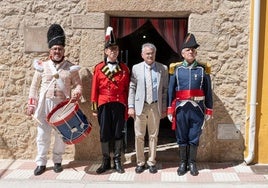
(57, 59)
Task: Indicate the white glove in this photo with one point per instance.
(75, 68)
(207, 117)
(170, 117)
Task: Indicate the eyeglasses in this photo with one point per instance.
(60, 49)
(113, 48)
(190, 49)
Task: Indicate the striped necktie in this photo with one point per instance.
(149, 87)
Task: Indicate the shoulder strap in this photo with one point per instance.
(173, 66)
(207, 67)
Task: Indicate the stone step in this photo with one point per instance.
(165, 153)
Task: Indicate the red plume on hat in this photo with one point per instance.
(109, 38)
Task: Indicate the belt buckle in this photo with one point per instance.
(198, 98)
(151, 102)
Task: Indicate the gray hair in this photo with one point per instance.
(150, 45)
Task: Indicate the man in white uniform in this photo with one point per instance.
(51, 84)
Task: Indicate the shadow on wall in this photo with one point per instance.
(221, 140)
(89, 147)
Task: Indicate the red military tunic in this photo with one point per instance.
(109, 86)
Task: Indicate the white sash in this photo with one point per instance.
(59, 81)
(41, 103)
(42, 98)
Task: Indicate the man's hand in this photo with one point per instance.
(170, 113)
(170, 117)
(131, 112)
(75, 96)
(207, 117)
(30, 110)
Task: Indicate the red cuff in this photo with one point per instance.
(32, 102)
(169, 110)
(209, 111)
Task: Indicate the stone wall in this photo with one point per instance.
(221, 28)
(23, 28)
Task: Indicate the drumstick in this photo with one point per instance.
(65, 108)
(36, 119)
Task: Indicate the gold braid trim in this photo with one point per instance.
(207, 67)
(94, 107)
(110, 74)
(173, 66)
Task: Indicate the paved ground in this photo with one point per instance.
(19, 173)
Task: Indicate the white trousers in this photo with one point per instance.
(43, 139)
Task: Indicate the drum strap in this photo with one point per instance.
(42, 97)
(41, 102)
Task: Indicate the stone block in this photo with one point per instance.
(201, 23)
(228, 132)
(35, 39)
(89, 21)
(92, 48)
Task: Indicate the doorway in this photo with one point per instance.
(130, 53)
(130, 46)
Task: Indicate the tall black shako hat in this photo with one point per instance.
(189, 42)
(110, 38)
(55, 35)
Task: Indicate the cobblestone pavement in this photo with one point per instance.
(77, 172)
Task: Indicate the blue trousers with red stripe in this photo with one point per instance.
(189, 122)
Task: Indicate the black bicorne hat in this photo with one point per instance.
(55, 35)
(189, 42)
(110, 38)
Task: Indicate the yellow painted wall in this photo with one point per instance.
(261, 147)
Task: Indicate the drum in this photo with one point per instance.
(68, 120)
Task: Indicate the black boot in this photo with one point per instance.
(106, 161)
(117, 156)
(39, 170)
(183, 160)
(187, 154)
(192, 160)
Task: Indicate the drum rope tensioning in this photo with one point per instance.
(70, 122)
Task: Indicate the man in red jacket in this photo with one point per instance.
(109, 102)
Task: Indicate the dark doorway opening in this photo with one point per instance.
(130, 53)
(130, 46)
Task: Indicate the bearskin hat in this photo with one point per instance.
(55, 35)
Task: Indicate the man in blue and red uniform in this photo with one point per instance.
(189, 103)
(109, 94)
